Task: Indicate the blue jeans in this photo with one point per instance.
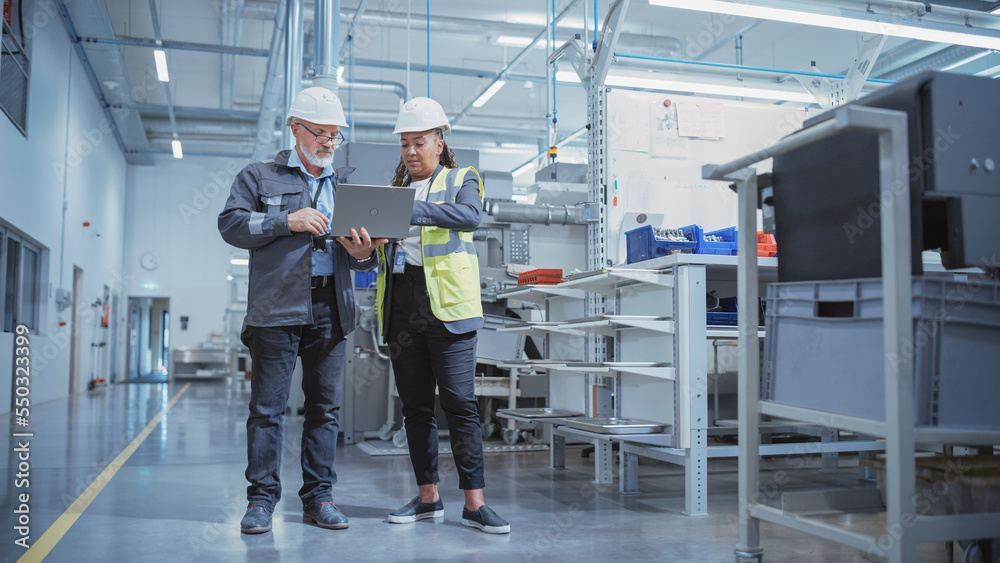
(273, 350)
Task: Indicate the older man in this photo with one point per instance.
(300, 303)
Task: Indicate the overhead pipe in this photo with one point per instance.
(191, 111)
(230, 32)
(745, 68)
(327, 38)
(369, 86)
(293, 65)
(175, 45)
(541, 214)
(270, 97)
(231, 131)
(947, 56)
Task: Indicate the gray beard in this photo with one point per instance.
(318, 161)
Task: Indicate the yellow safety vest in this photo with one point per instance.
(451, 267)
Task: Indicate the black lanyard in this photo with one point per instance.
(319, 190)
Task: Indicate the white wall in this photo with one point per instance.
(69, 145)
(172, 210)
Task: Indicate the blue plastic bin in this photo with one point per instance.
(716, 318)
(364, 280)
(726, 248)
(642, 244)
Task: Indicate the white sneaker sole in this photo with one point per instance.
(487, 529)
(407, 519)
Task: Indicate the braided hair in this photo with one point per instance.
(447, 160)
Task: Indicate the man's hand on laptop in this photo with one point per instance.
(308, 220)
(360, 245)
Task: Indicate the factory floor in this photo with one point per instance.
(110, 480)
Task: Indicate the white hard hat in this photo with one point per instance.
(317, 105)
(421, 114)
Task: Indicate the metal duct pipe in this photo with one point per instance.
(327, 40)
(944, 57)
(293, 64)
(538, 214)
(270, 96)
(368, 86)
(217, 122)
(230, 31)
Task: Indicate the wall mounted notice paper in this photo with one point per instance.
(629, 130)
(700, 118)
(664, 142)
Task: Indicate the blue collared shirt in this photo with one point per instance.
(322, 262)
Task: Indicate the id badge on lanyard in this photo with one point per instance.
(399, 264)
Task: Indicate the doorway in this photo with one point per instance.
(148, 339)
(74, 328)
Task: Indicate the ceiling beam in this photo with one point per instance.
(176, 45)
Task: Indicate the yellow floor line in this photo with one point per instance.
(58, 529)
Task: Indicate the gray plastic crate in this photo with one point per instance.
(825, 349)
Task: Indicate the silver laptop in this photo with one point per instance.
(384, 211)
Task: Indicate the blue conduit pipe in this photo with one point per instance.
(554, 120)
(350, 91)
(595, 25)
(428, 48)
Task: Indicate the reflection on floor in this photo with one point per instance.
(181, 494)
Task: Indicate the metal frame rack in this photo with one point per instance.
(676, 342)
(904, 528)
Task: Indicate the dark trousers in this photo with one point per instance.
(273, 350)
(425, 353)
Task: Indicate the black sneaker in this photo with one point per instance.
(257, 520)
(486, 520)
(417, 509)
(326, 516)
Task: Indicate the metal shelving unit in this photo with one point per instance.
(673, 287)
(904, 529)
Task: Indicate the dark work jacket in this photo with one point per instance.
(256, 218)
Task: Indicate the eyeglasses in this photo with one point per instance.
(324, 139)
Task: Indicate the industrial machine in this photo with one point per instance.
(548, 230)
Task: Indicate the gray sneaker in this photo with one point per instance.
(417, 509)
(486, 520)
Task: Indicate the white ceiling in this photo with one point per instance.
(469, 43)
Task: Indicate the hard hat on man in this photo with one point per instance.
(421, 114)
(317, 105)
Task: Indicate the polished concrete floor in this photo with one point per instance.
(179, 496)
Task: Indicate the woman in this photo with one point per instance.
(430, 310)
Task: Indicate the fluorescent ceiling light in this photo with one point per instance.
(888, 24)
(517, 41)
(161, 65)
(671, 85)
(481, 100)
(541, 20)
(176, 146)
(239, 261)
